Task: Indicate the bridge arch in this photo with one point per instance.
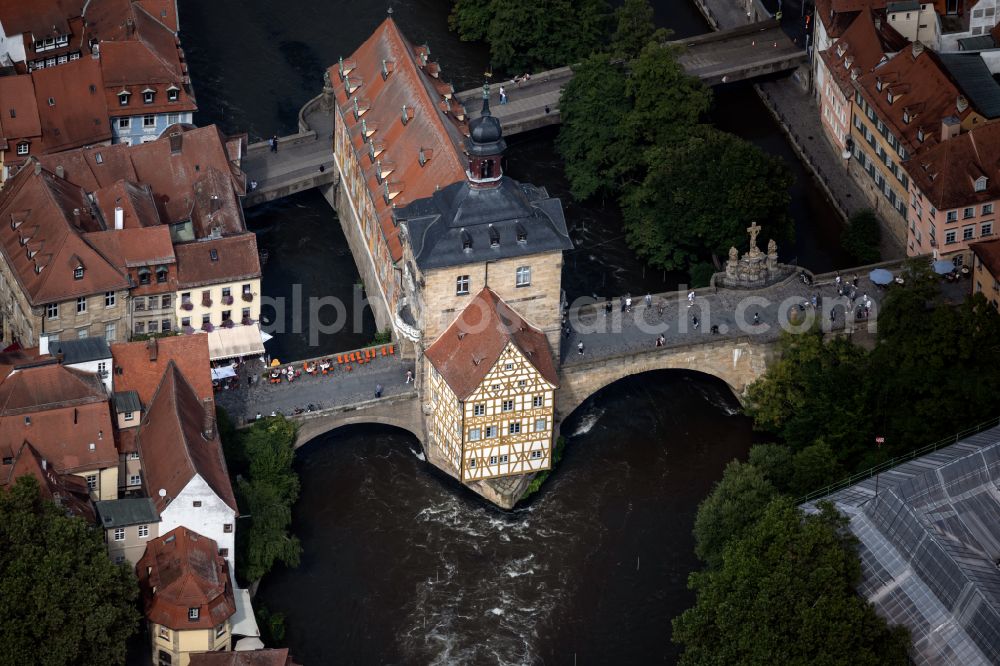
(402, 411)
(736, 362)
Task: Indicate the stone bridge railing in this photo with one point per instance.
(400, 410)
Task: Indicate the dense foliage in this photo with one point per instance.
(861, 238)
(527, 35)
(934, 371)
(784, 593)
(62, 601)
(631, 131)
(266, 486)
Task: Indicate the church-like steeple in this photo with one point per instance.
(485, 147)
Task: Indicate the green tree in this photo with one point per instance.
(700, 195)
(775, 463)
(598, 159)
(634, 28)
(734, 504)
(62, 601)
(785, 594)
(818, 389)
(813, 468)
(266, 496)
(532, 34)
(861, 238)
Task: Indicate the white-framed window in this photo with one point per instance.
(461, 285)
(504, 458)
(969, 213)
(149, 120)
(472, 463)
(522, 382)
(508, 366)
(22, 148)
(980, 184)
(968, 233)
(119, 534)
(536, 454)
(172, 94)
(540, 425)
(493, 460)
(148, 96)
(123, 98)
(491, 431)
(143, 531)
(110, 299)
(134, 480)
(507, 405)
(91, 482)
(110, 332)
(474, 434)
(986, 229)
(513, 427)
(164, 632)
(134, 455)
(124, 123)
(949, 238)
(987, 209)
(193, 613)
(538, 401)
(523, 276)
(221, 629)
(82, 333)
(951, 216)
(479, 409)
(52, 311)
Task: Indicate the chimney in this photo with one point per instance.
(152, 349)
(208, 427)
(60, 172)
(878, 23)
(38, 168)
(918, 48)
(43, 345)
(45, 464)
(961, 104)
(176, 142)
(949, 128)
(119, 218)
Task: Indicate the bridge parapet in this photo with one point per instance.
(401, 411)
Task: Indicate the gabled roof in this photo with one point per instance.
(974, 78)
(130, 248)
(18, 108)
(173, 444)
(837, 15)
(946, 173)
(989, 253)
(182, 570)
(211, 261)
(267, 657)
(861, 47)
(140, 366)
(408, 83)
(45, 249)
(48, 385)
(126, 511)
(136, 201)
(66, 490)
(81, 350)
(469, 348)
(40, 18)
(78, 114)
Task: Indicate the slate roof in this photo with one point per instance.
(470, 347)
(463, 224)
(125, 512)
(173, 446)
(127, 401)
(974, 78)
(929, 544)
(81, 350)
(187, 572)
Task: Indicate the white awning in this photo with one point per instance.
(224, 372)
(248, 644)
(244, 622)
(235, 342)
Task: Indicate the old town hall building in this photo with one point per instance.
(468, 261)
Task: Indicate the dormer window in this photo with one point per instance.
(920, 135)
(148, 95)
(878, 85)
(466, 240)
(889, 96)
(193, 613)
(422, 157)
(385, 70)
(78, 273)
(173, 93)
(405, 115)
(22, 148)
(123, 98)
(213, 254)
(906, 117)
(981, 184)
(522, 234)
(494, 237)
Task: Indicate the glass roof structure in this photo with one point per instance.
(929, 532)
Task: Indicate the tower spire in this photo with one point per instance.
(486, 93)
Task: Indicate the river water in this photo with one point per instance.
(400, 564)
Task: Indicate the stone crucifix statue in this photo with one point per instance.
(753, 230)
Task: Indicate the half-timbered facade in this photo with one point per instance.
(491, 387)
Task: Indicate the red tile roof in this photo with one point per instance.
(182, 570)
(236, 258)
(140, 366)
(18, 113)
(267, 657)
(471, 346)
(921, 89)
(41, 18)
(46, 248)
(136, 201)
(946, 173)
(861, 47)
(989, 253)
(837, 15)
(63, 412)
(77, 115)
(165, 11)
(173, 445)
(66, 490)
(429, 127)
(132, 248)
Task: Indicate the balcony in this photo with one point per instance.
(227, 299)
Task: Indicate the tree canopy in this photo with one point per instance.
(735, 503)
(62, 601)
(785, 594)
(533, 34)
(861, 238)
